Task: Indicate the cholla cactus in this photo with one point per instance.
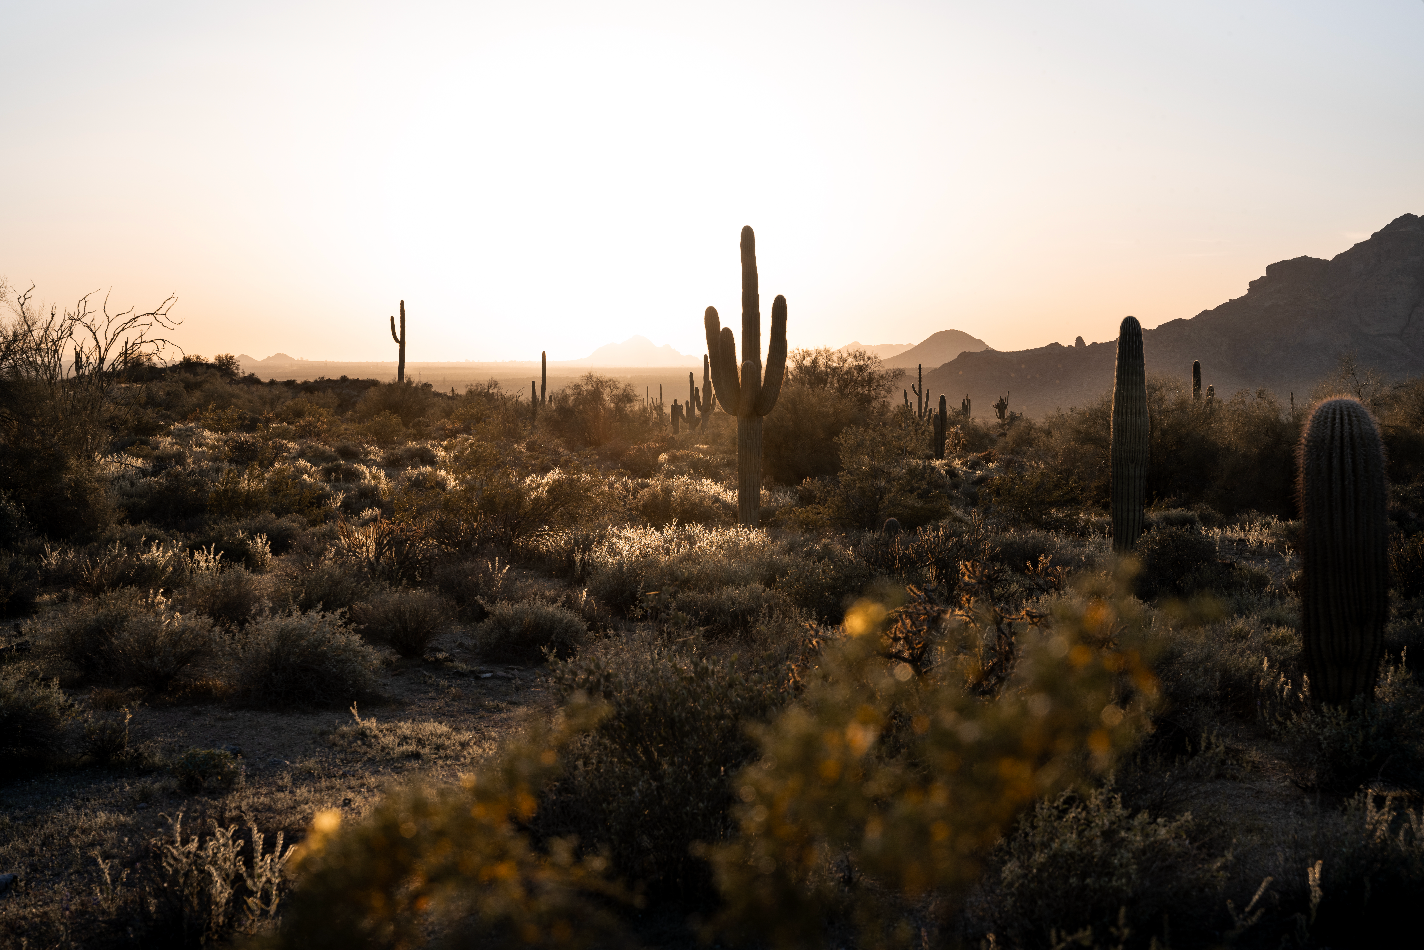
(1344, 560)
(740, 387)
(1129, 437)
(400, 342)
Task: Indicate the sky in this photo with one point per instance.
(556, 176)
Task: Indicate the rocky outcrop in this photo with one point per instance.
(1286, 333)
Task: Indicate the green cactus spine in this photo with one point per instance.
(740, 387)
(1129, 437)
(1344, 595)
(1196, 379)
(941, 423)
(400, 342)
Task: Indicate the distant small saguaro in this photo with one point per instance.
(400, 342)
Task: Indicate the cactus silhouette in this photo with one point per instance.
(964, 407)
(941, 423)
(1196, 379)
(1001, 408)
(740, 387)
(1129, 437)
(400, 342)
(705, 397)
(1344, 596)
(543, 378)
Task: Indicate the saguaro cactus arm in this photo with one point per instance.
(775, 359)
(722, 349)
(393, 330)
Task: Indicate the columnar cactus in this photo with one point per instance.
(1129, 437)
(400, 342)
(705, 397)
(1001, 408)
(1344, 596)
(941, 423)
(691, 412)
(1196, 379)
(533, 402)
(747, 394)
(543, 378)
(921, 403)
(965, 406)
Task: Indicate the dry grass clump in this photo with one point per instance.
(404, 620)
(525, 632)
(304, 659)
(401, 741)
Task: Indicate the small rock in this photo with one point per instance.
(485, 676)
(7, 881)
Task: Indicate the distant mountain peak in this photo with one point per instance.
(637, 351)
(937, 349)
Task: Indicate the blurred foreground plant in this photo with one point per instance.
(910, 779)
(456, 858)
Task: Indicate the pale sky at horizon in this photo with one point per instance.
(554, 176)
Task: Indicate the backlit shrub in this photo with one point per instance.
(404, 620)
(33, 714)
(523, 632)
(304, 659)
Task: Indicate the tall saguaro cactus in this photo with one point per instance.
(1196, 379)
(400, 342)
(941, 424)
(1129, 437)
(740, 386)
(543, 378)
(1344, 592)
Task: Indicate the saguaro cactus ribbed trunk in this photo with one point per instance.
(747, 394)
(941, 424)
(1129, 437)
(707, 400)
(543, 378)
(1196, 379)
(400, 342)
(1344, 591)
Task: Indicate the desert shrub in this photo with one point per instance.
(655, 776)
(204, 770)
(409, 456)
(82, 638)
(522, 632)
(910, 778)
(1341, 749)
(153, 566)
(469, 585)
(1175, 562)
(1406, 564)
(154, 651)
(404, 620)
(19, 585)
(628, 562)
(206, 891)
(687, 501)
(406, 401)
(823, 577)
(728, 611)
(595, 410)
(232, 597)
(1078, 861)
(886, 473)
(304, 659)
(323, 585)
(236, 544)
(33, 714)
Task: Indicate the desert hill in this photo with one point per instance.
(1284, 334)
(883, 350)
(937, 349)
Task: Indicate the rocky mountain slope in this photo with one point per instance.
(937, 349)
(1286, 333)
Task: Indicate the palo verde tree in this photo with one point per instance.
(740, 387)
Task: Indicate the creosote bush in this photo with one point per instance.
(304, 659)
(33, 714)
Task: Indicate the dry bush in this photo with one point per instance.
(231, 597)
(125, 639)
(524, 632)
(323, 585)
(1085, 862)
(655, 776)
(687, 501)
(33, 714)
(631, 561)
(401, 741)
(304, 659)
(404, 620)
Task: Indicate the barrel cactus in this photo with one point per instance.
(1129, 437)
(1344, 558)
(740, 386)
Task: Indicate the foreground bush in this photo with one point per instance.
(655, 776)
(125, 639)
(304, 660)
